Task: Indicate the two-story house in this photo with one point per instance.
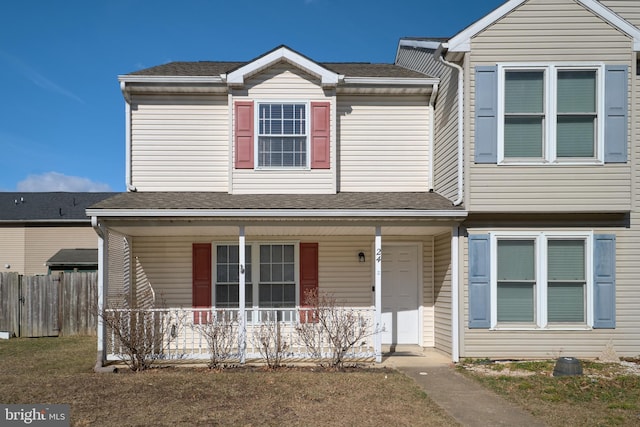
(477, 197)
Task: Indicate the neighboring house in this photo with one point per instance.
(34, 226)
(74, 260)
(549, 249)
(500, 223)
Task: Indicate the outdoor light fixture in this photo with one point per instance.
(7, 266)
(361, 257)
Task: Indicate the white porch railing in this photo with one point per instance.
(186, 333)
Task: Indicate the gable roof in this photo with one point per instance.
(462, 41)
(49, 207)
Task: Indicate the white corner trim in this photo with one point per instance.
(327, 77)
(461, 42)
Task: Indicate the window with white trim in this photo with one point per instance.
(541, 280)
(276, 284)
(282, 135)
(551, 113)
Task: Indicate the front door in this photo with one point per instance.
(400, 314)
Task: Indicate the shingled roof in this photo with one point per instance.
(145, 201)
(24, 207)
(211, 68)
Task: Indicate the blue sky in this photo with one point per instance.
(62, 112)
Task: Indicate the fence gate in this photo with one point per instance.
(47, 306)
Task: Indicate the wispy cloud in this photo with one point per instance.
(55, 181)
(36, 78)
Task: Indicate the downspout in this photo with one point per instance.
(432, 131)
(127, 137)
(100, 357)
(440, 56)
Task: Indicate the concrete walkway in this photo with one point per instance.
(462, 398)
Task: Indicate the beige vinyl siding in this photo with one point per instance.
(627, 9)
(442, 292)
(282, 83)
(12, 249)
(384, 143)
(543, 31)
(41, 243)
(180, 143)
(623, 339)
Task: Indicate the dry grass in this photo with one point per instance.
(607, 394)
(59, 370)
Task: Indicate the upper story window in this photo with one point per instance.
(551, 114)
(282, 136)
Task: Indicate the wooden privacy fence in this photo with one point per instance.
(40, 306)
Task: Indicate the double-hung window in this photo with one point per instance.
(551, 114)
(283, 135)
(273, 286)
(542, 280)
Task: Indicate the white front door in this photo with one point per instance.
(400, 314)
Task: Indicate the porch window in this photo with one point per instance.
(227, 276)
(277, 287)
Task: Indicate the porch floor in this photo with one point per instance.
(398, 356)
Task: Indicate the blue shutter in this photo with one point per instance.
(479, 282)
(486, 131)
(604, 281)
(616, 113)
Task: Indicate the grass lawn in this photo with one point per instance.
(59, 370)
(607, 394)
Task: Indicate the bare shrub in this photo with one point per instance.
(342, 327)
(141, 336)
(268, 338)
(221, 333)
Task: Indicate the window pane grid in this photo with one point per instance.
(227, 284)
(277, 276)
(282, 140)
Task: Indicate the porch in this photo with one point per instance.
(392, 268)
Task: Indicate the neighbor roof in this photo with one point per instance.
(19, 207)
(74, 257)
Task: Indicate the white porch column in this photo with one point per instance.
(455, 287)
(378, 293)
(103, 283)
(242, 330)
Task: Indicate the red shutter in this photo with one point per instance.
(320, 135)
(201, 274)
(244, 134)
(308, 274)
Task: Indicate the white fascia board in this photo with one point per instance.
(270, 213)
(390, 81)
(462, 41)
(327, 77)
(615, 20)
(170, 79)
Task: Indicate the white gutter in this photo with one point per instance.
(128, 78)
(272, 213)
(390, 81)
(440, 56)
